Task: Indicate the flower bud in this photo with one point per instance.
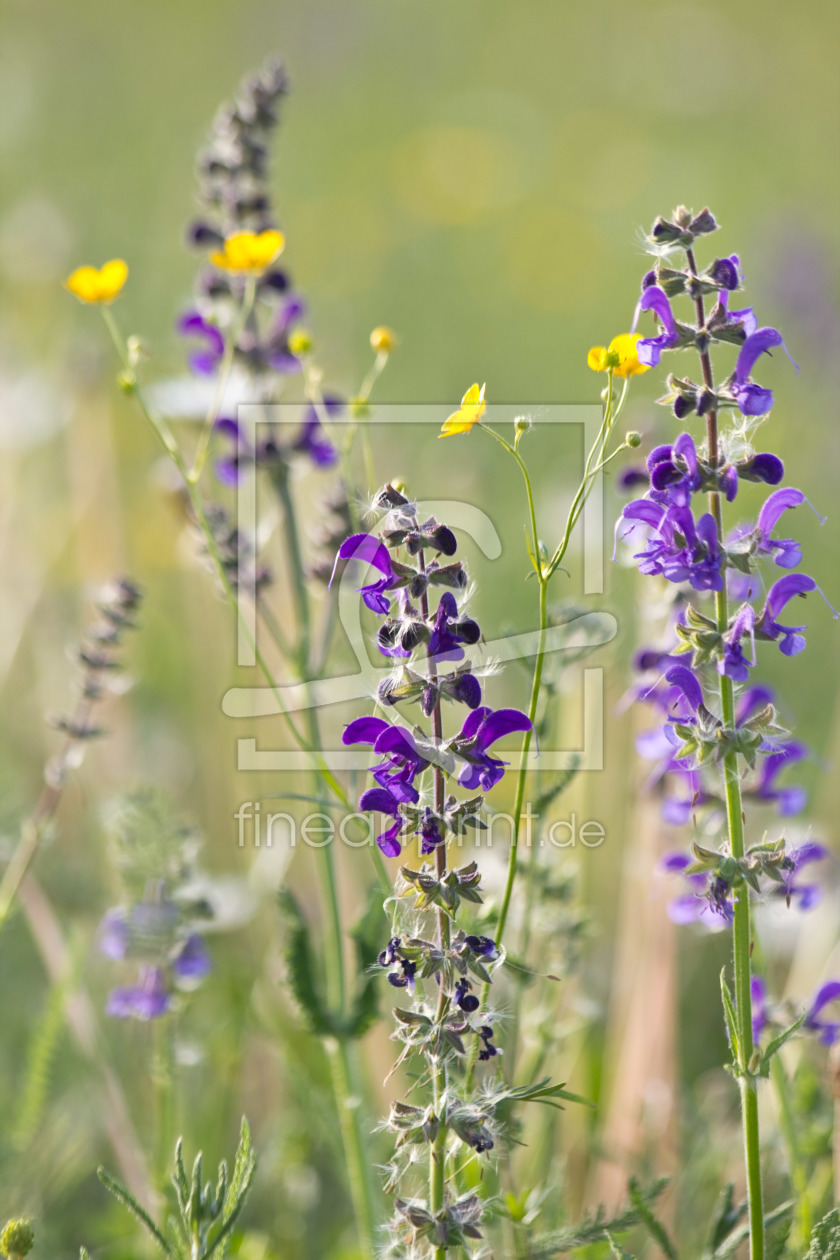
(138, 350)
(383, 340)
(127, 381)
(521, 426)
(633, 438)
(17, 1238)
(300, 342)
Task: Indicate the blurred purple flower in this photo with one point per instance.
(204, 361)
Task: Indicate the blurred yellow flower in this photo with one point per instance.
(90, 284)
(619, 357)
(249, 251)
(469, 413)
(383, 340)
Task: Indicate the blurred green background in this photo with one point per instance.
(476, 175)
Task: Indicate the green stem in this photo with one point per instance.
(164, 1082)
(741, 928)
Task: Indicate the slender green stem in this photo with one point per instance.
(163, 1075)
(741, 928)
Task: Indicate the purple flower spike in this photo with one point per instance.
(148, 999)
(829, 1030)
(205, 361)
(649, 349)
(371, 551)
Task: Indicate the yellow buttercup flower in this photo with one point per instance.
(469, 413)
(90, 284)
(619, 357)
(250, 252)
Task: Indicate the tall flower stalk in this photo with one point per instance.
(704, 558)
(447, 1026)
(246, 339)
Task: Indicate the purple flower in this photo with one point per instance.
(734, 664)
(788, 800)
(758, 996)
(753, 400)
(403, 762)
(726, 272)
(371, 551)
(791, 641)
(276, 350)
(708, 898)
(311, 440)
(649, 349)
(206, 360)
(677, 548)
(380, 801)
(805, 895)
(829, 1030)
(450, 631)
(674, 471)
(428, 829)
(192, 961)
(763, 467)
(148, 999)
(270, 451)
(481, 729)
(788, 552)
(483, 946)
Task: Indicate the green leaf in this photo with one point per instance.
(730, 1016)
(126, 1198)
(617, 1251)
(825, 1238)
(776, 1044)
(646, 1217)
(726, 1216)
(300, 964)
(596, 1226)
(543, 1091)
(731, 1244)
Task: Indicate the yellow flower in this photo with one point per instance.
(469, 413)
(619, 357)
(383, 340)
(249, 251)
(92, 285)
